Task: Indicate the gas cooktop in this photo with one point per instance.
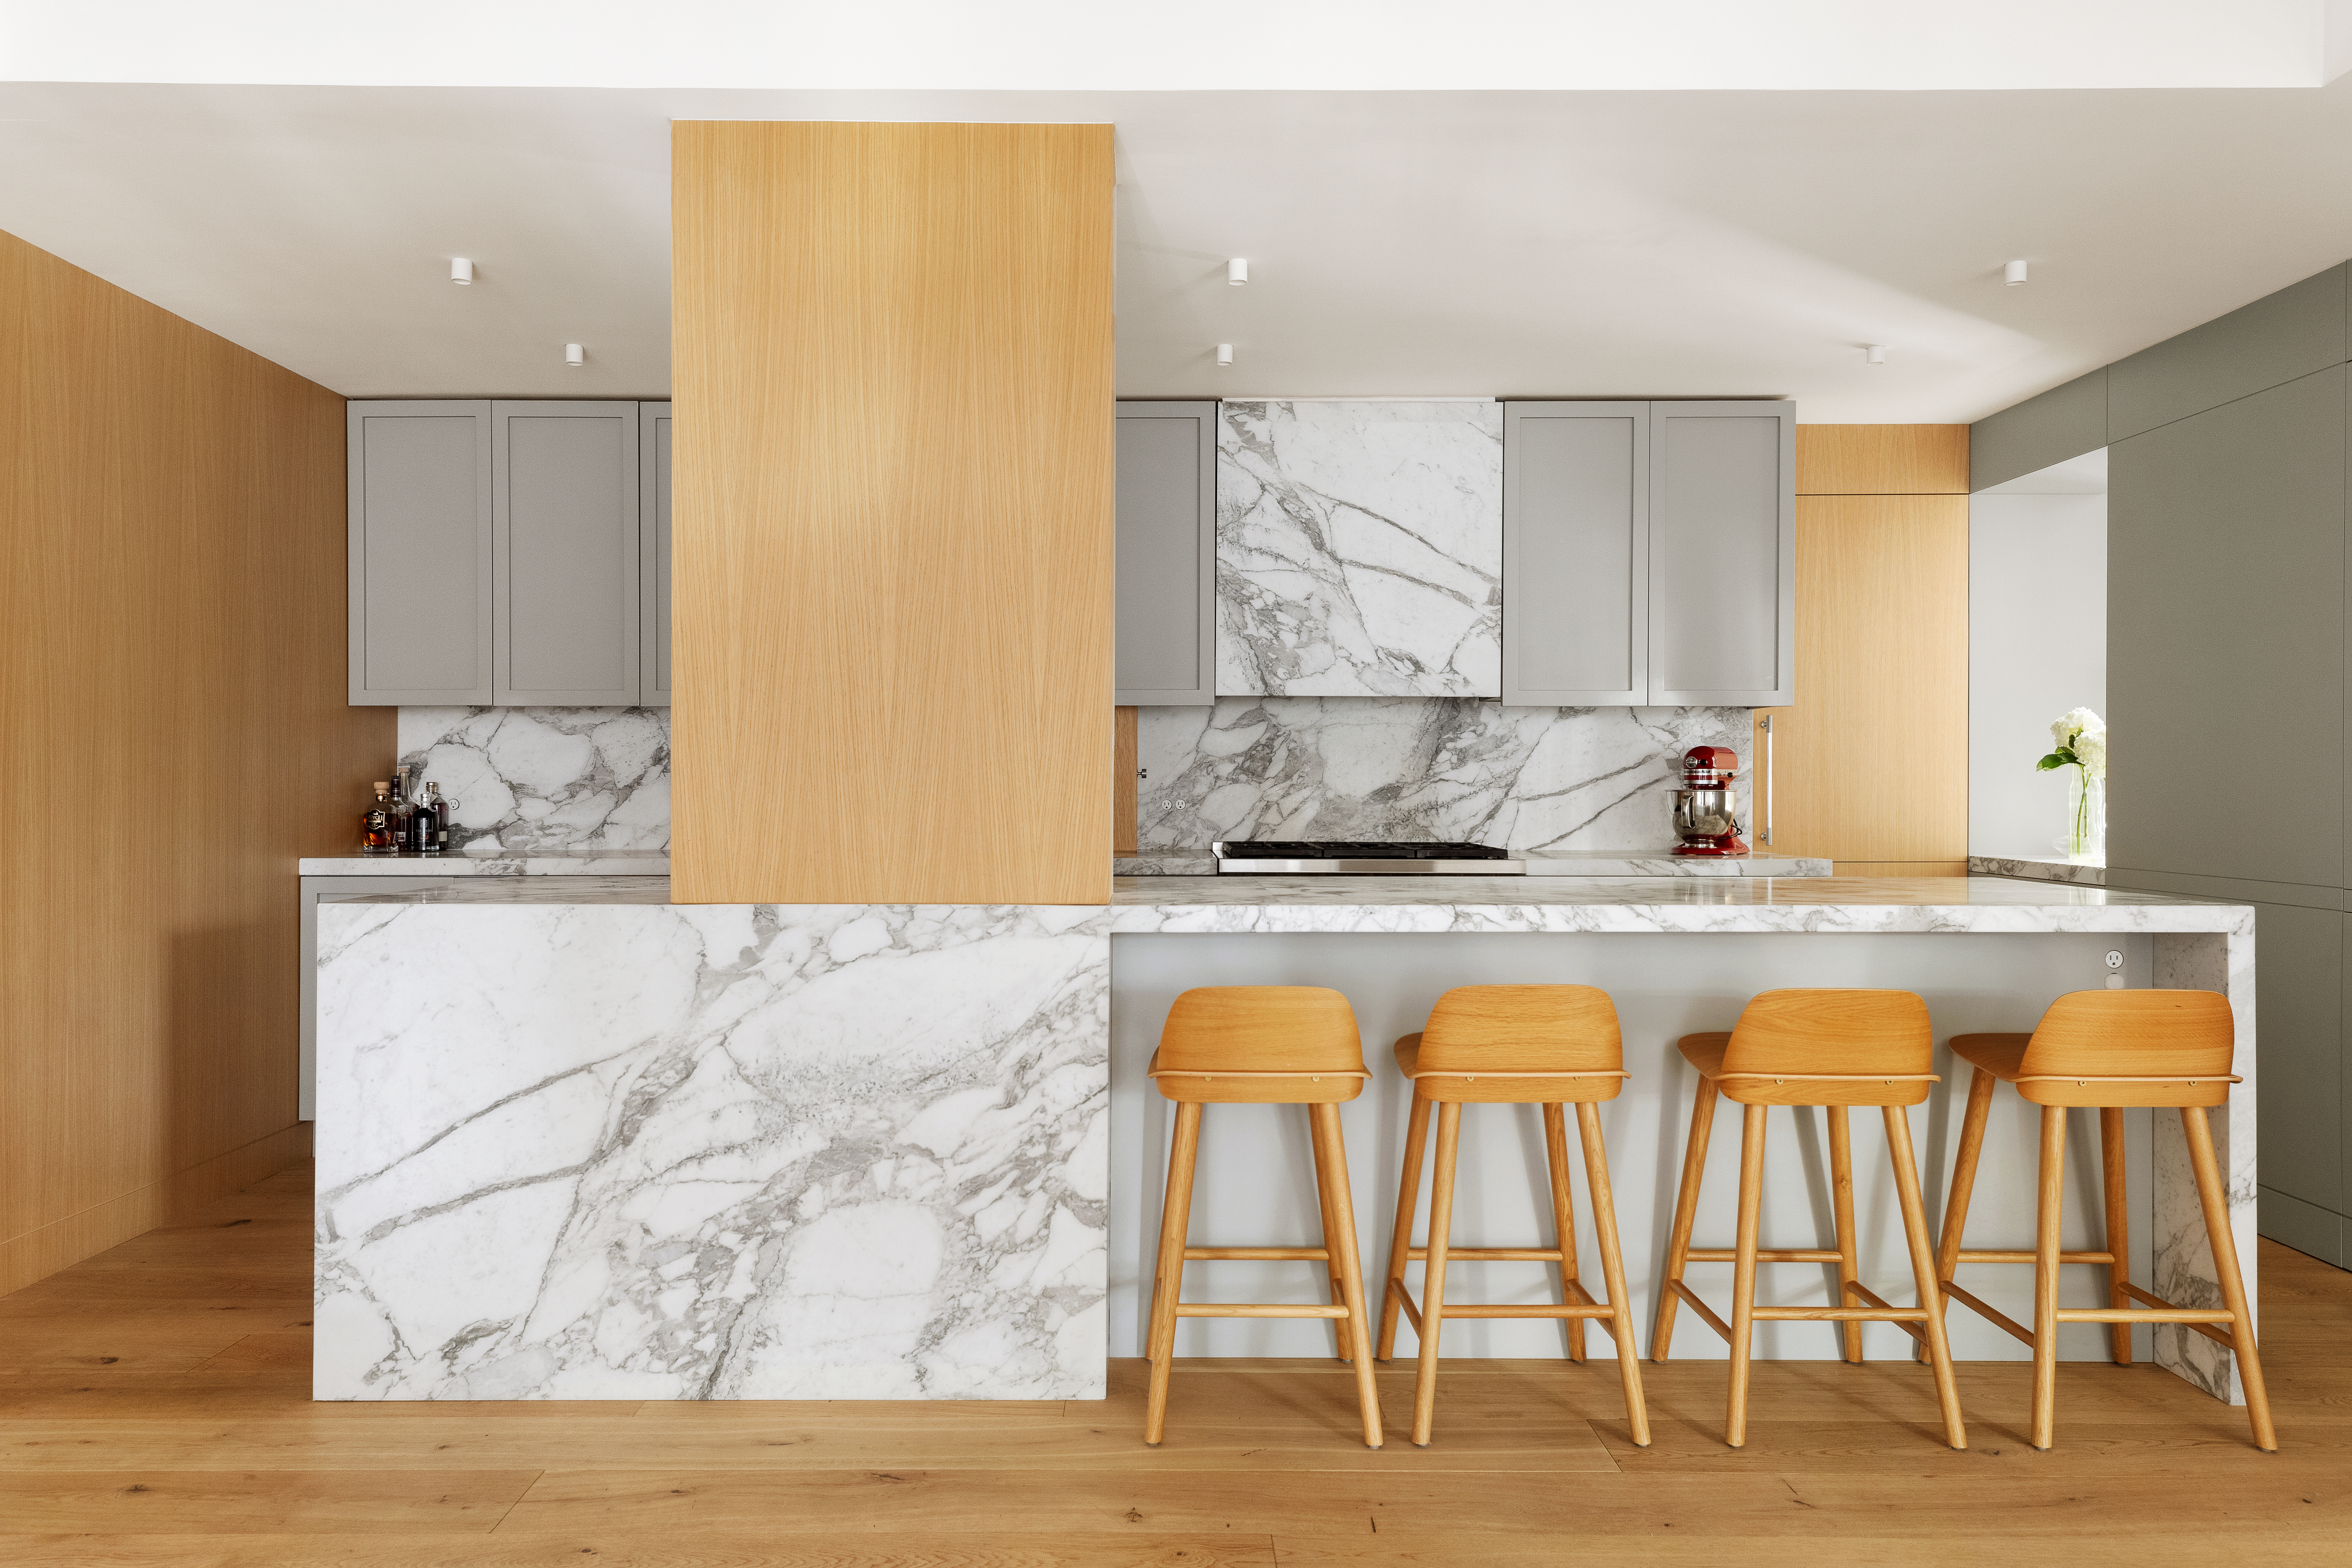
(1362, 857)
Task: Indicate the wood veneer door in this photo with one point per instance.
(892, 518)
(1871, 764)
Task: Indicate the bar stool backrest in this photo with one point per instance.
(1522, 1028)
(1837, 1033)
(2133, 1033)
(1261, 1029)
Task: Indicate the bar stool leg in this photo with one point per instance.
(1563, 1220)
(1841, 1202)
(2225, 1270)
(1343, 1333)
(1342, 1240)
(1612, 1269)
(1416, 1140)
(1432, 1288)
(1686, 1214)
(1964, 1183)
(2119, 1242)
(1175, 1223)
(1923, 1269)
(2045, 1276)
(1743, 1272)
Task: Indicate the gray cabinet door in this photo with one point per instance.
(653, 527)
(564, 491)
(2299, 1051)
(1167, 553)
(1722, 553)
(420, 553)
(1576, 523)
(2226, 641)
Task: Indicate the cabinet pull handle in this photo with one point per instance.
(1767, 835)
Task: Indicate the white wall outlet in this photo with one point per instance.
(2114, 958)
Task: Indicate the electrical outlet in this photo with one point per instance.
(2114, 958)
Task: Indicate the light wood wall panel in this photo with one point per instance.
(1124, 804)
(1882, 459)
(171, 688)
(892, 513)
(1870, 766)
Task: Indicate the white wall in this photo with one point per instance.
(2037, 646)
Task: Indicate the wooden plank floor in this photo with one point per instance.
(154, 1409)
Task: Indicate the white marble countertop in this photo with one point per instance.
(1611, 863)
(2036, 869)
(503, 863)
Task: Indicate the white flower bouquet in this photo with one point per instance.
(2081, 744)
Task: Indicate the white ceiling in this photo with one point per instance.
(1571, 244)
(1122, 46)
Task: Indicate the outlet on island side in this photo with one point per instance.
(2114, 969)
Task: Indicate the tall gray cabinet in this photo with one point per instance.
(2229, 534)
(1167, 653)
(509, 552)
(1649, 553)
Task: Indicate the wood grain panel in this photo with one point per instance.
(172, 686)
(1123, 787)
(1900, 869)
(892, 524)
(1870, 764)
(1882, 459)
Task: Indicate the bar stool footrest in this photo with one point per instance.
(1253, 1310)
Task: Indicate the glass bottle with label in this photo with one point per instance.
(424, 823)
(444, 813)
(403, 807)
(376, 831)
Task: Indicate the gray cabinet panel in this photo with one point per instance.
(2277, 339)
(565, 498)
(1722, 553)
(420, 552)
(1575, 520)
(653, 570)
(2225, 631)
(2299, 1051)
(2064, 422)
(1167, 553)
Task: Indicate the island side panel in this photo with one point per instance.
(2184, 1262)
(720, 1151)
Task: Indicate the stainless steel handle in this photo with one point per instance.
(1766, 837)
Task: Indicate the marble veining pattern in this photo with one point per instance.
(1604, 863)
(2075, 871)
(575, 1143)
(482, 861)
(536, 781)
(1527, 780)
(1359, 549)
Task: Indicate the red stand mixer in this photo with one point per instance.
(1706, 814)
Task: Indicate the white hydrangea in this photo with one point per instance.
(2091, 749)
(2077, 721)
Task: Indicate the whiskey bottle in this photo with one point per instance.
(442, 812)
(376, 833)
(402, 807)
(424, 825)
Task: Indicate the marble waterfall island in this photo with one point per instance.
(577, 1143)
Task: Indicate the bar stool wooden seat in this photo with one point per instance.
(1552, 1046)
(2107, 1049)
(1261, 1045)
(1835, 1049)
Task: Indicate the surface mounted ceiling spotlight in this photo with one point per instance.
(461, 270)
(1237, 270)
(1874, 354)
(574, 355)
(2014, 273)
(1224, 356)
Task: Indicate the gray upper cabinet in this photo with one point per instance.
(1576, 525)
(1167, 553)
(420, 564)
(564, 486)
(510, 552)
(653, 570)
(1722, 553)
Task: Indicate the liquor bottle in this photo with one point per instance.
(402, 807)
(376, 824)
(443, 811)
(424, 825)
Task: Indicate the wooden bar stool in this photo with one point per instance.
(2107, 1049)
(1833, 1050)
(1261, 1045)
(1552, 1046)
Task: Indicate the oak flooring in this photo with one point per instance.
(155, 1412)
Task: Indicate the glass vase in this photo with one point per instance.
(2086, 837)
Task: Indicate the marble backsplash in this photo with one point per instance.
(546, 779)
(1523, 779)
